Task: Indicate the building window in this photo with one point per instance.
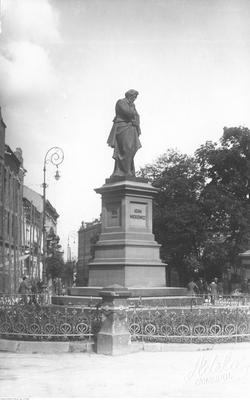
(8, 223)
(13, 225)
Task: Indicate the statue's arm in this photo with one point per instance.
(136, 120)
(124, 110)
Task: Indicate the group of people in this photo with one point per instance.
(29, 290)
(34, 291)
(201, 287)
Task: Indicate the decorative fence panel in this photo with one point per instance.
(47, 322)
(196, 325)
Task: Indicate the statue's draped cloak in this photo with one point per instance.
(124, 137)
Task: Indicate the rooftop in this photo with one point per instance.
(37, 200)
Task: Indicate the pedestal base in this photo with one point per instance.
(174, 296)
(127, 276)
(126, 252)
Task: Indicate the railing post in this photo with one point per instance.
(114, 337)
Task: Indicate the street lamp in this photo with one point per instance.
(55, 156)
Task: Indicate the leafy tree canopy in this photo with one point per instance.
(202, 210)
(54, 261)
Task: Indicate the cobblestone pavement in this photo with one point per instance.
(223, 372)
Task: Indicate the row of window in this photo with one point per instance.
(9, 190)
(9, 224)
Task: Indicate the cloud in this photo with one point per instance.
(25, 71)
(30, 20)
(29, 28)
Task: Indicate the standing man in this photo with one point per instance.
(202, 286)
(192, 288)
(24, 290)
(214, 290)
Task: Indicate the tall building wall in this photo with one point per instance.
(2, 174)
(2, 151)
(87, 237)
(2, 136)
(12, 175)
(33, 230)
(20, 226)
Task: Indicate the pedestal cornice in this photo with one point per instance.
(128, 186)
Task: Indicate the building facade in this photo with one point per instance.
(21, 210)
(11, 191)
(88, 235)
(33, 229)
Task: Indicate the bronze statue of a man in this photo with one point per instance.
(124, 135)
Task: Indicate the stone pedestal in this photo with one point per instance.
(126, 253)
(114, 337)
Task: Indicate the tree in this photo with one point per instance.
(226, 197)
(178, 220)
(202, 211)
(67, 272)
(54, 261)
(54, 267)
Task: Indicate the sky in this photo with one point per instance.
(65, 63)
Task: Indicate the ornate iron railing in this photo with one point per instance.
(48, 322)
(190, 302)
(197, 325)
(190, 320)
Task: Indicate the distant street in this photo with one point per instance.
(216, 373)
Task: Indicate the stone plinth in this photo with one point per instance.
(114, 337)
(135, 291)
(90, 296)
(126, 253)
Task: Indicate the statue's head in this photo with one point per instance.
(131, 95)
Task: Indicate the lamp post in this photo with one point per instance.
(55, 156)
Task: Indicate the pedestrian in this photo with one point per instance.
(34, 291)
(213, 287)
(201, 286)
(59, 287)
(244, 286)
(50, 287)
(219, 287)
(39, 286)
(24, 290)
(248, 286)
(40, 292)
(64, 290)
(192, 288)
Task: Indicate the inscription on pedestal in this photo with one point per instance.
(137, 215)
(113, 214)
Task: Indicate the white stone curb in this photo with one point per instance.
(16, 346)
(21, 346)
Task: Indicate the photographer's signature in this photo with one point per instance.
(217, 368)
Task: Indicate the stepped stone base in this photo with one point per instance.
(91, 295)
(135, 291)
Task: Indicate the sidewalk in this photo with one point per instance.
(221, 372)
